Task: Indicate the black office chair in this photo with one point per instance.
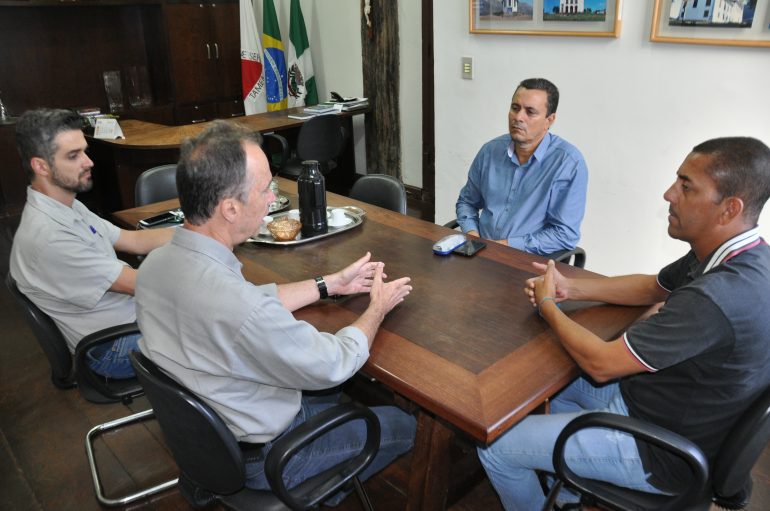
(68, 372)
(321, 138)
(576, 257)
(212, 462)
(277, 150)
(728, 483)
(381, 190)
(155, 185)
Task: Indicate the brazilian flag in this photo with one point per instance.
(275, 61)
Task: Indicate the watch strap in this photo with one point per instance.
(322, 290)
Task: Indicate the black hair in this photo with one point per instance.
(550, 89)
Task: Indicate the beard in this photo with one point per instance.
(72, 185)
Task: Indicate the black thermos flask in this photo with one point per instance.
(311, 188)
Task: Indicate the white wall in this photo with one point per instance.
(633, 107)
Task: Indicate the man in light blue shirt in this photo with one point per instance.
(527, 189)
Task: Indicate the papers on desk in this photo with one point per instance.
(331, 107)
(323, 108)
(301, 117)
(349, 104)
(108, 129)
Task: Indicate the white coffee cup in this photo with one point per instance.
(263, 228)
(338, 217)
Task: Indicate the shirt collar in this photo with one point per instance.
(207, 246)
(58, 212)
(743, 241)
(539, 153)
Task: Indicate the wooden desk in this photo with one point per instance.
(118, 163)
(466, 346)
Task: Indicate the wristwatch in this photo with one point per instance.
(319, 281)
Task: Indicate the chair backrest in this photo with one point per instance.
(155, 185)
(321, 138)
(742, 448)
(204, 448)
(381, 190)
(48, 336)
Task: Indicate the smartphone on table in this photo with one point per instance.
(469, 248)
(175, 216)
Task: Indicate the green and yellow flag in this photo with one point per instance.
(275, 61)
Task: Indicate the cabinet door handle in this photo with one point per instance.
(208, 51)
(216, 51)
(196, 121)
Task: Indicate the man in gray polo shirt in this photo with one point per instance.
(63, 256)
(237, 345)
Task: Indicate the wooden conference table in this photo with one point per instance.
(465, 346)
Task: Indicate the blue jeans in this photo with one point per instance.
(111, 360)
(397, 437)
(597, 453)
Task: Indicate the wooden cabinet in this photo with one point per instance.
(204, 59)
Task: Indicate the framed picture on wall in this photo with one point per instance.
(720, 22)
(593, 18)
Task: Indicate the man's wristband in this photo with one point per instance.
(546, 299)
(319, 281)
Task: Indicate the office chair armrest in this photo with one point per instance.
(105, 335)
(616, 497)
(320, 487)
(452, 224)
(95, 387)
(564, 256)
(269, 142)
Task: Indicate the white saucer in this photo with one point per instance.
(341, 224)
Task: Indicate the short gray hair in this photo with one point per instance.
(212, 167)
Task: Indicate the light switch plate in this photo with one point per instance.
(467, 68)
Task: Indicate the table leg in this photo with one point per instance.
(429, 470)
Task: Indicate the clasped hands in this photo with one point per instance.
(551, 285)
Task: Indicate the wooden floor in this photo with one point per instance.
(42, 430)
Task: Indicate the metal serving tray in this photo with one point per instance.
(279, 204)
(355, 214)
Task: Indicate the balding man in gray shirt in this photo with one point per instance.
(237, 345)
